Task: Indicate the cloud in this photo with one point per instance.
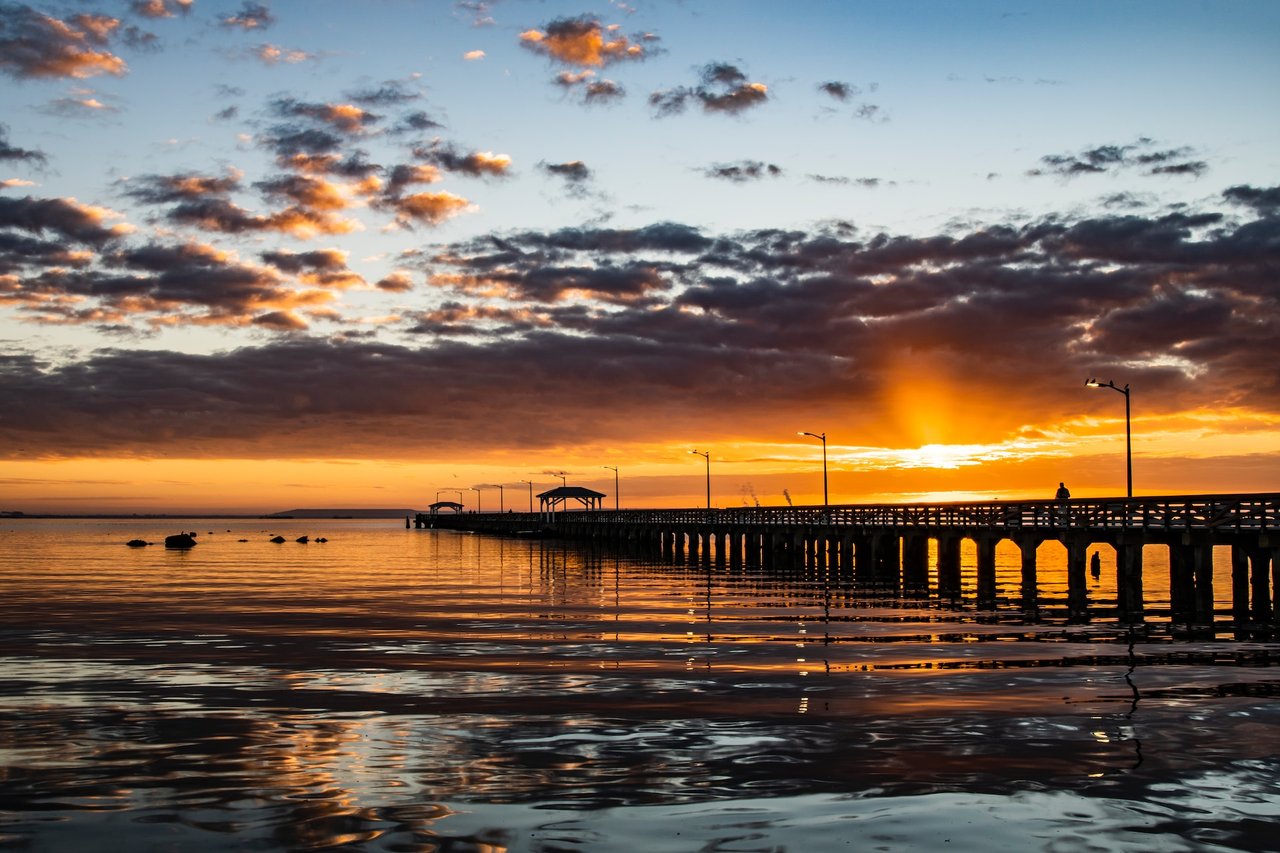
(252, 16)
(390, 94)
(425, 208)
(584, 41)
(183, 186)
(81, 103)
(321, 267)
(396, 281)
(473, 55)
(273, 54)
(574, 171)
(593, 91)
(742, 171)
(65, 216)
(160, 8)
(623, 334)
(869, 183)
(13, 152)
(1140, 156)
(477, 164)
(724, 89)
(345, 118)
(36, 45)
(839, 90)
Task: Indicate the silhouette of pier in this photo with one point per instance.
(887, 546)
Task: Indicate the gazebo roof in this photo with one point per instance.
(569, 492)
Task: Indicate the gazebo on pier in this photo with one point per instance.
(436, 507)
(557, 499)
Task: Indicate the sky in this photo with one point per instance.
(259, 256)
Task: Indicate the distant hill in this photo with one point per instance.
(342, 513)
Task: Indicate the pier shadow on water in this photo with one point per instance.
(431, 690)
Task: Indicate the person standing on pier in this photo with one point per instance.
(1063, 492)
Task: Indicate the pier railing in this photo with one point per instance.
(1205, 513)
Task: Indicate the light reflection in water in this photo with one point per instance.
(416, 689)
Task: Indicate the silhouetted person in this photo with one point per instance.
(1095, 565)
(1063, 492)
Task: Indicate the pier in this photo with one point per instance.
(888, 546)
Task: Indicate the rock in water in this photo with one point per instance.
(302, 539)
(180, 540)
(277, 539)
(137, 543)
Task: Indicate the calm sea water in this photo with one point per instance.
(401, 690)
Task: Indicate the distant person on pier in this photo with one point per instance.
(1095, 565)
(1063, 492)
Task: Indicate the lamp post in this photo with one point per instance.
(530, 484)
(614, 469)
(477, 491)
(706, 454)
(501, 504)
(1128, 430)
(823, 438)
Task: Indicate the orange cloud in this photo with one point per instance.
(473, 55)
(431, 208)
(45, 46)
(582, 41)
(271, 54)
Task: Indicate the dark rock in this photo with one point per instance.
(321, 539)
(180, 540)
(137, 543)
(277, 539)
(242, 540)
(302, 539)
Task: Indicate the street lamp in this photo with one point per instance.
(477, 491)
(614, 469)
(706, 454)
(823, 438)
(501, 504)
(1128, 431)
(530, 484)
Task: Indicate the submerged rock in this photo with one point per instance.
(277, 539)
(180, 540)
(302, 540)
(137, 543)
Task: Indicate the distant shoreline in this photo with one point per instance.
(301, 514)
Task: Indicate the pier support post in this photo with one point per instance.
(1259, 565)
(1030, 594)
(1129, 603)
(986, 572)
(949, 567)
(915, 563)
(1239, 585)
(1077, 581)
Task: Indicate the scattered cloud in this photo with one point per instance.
(476, 164)
(161, 8)
(1141, 156)
(584, 41)
(252, 16)
(273, 54)
(724, 88)
(473, 55)
(9, 151)
(36, 45)
(742, 171)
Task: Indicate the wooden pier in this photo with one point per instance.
(887, 546)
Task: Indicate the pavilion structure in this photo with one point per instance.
(558, 499)
(438, 506)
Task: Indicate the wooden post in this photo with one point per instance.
(1239, 585)
(1259, 564)
(1030, 598)
(1129, 582)
(986, 572)
(1077, 579)
(949, 567)
(915, 562)
(1202, 566)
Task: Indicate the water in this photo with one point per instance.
(399, 690)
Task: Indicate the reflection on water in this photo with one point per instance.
(395, 689)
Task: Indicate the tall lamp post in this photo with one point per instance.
(477, 491)
(1128, 429)
(530, 484)
(614, 469)
(823, 438)
(706, 454)
(501, 504)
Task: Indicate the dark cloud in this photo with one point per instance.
(34, 44)
(724, 88)
(393, 93)
(839, 90)
(597, 334)
(593, 91)
(287, 141)
(477, 164)
(742, 171)
(252, 16)
(344, 118)
(575, 171)
(13, 152)
(165, 189)
(869, 183)
(415, 122)
(1140, 156)
(67, 217)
